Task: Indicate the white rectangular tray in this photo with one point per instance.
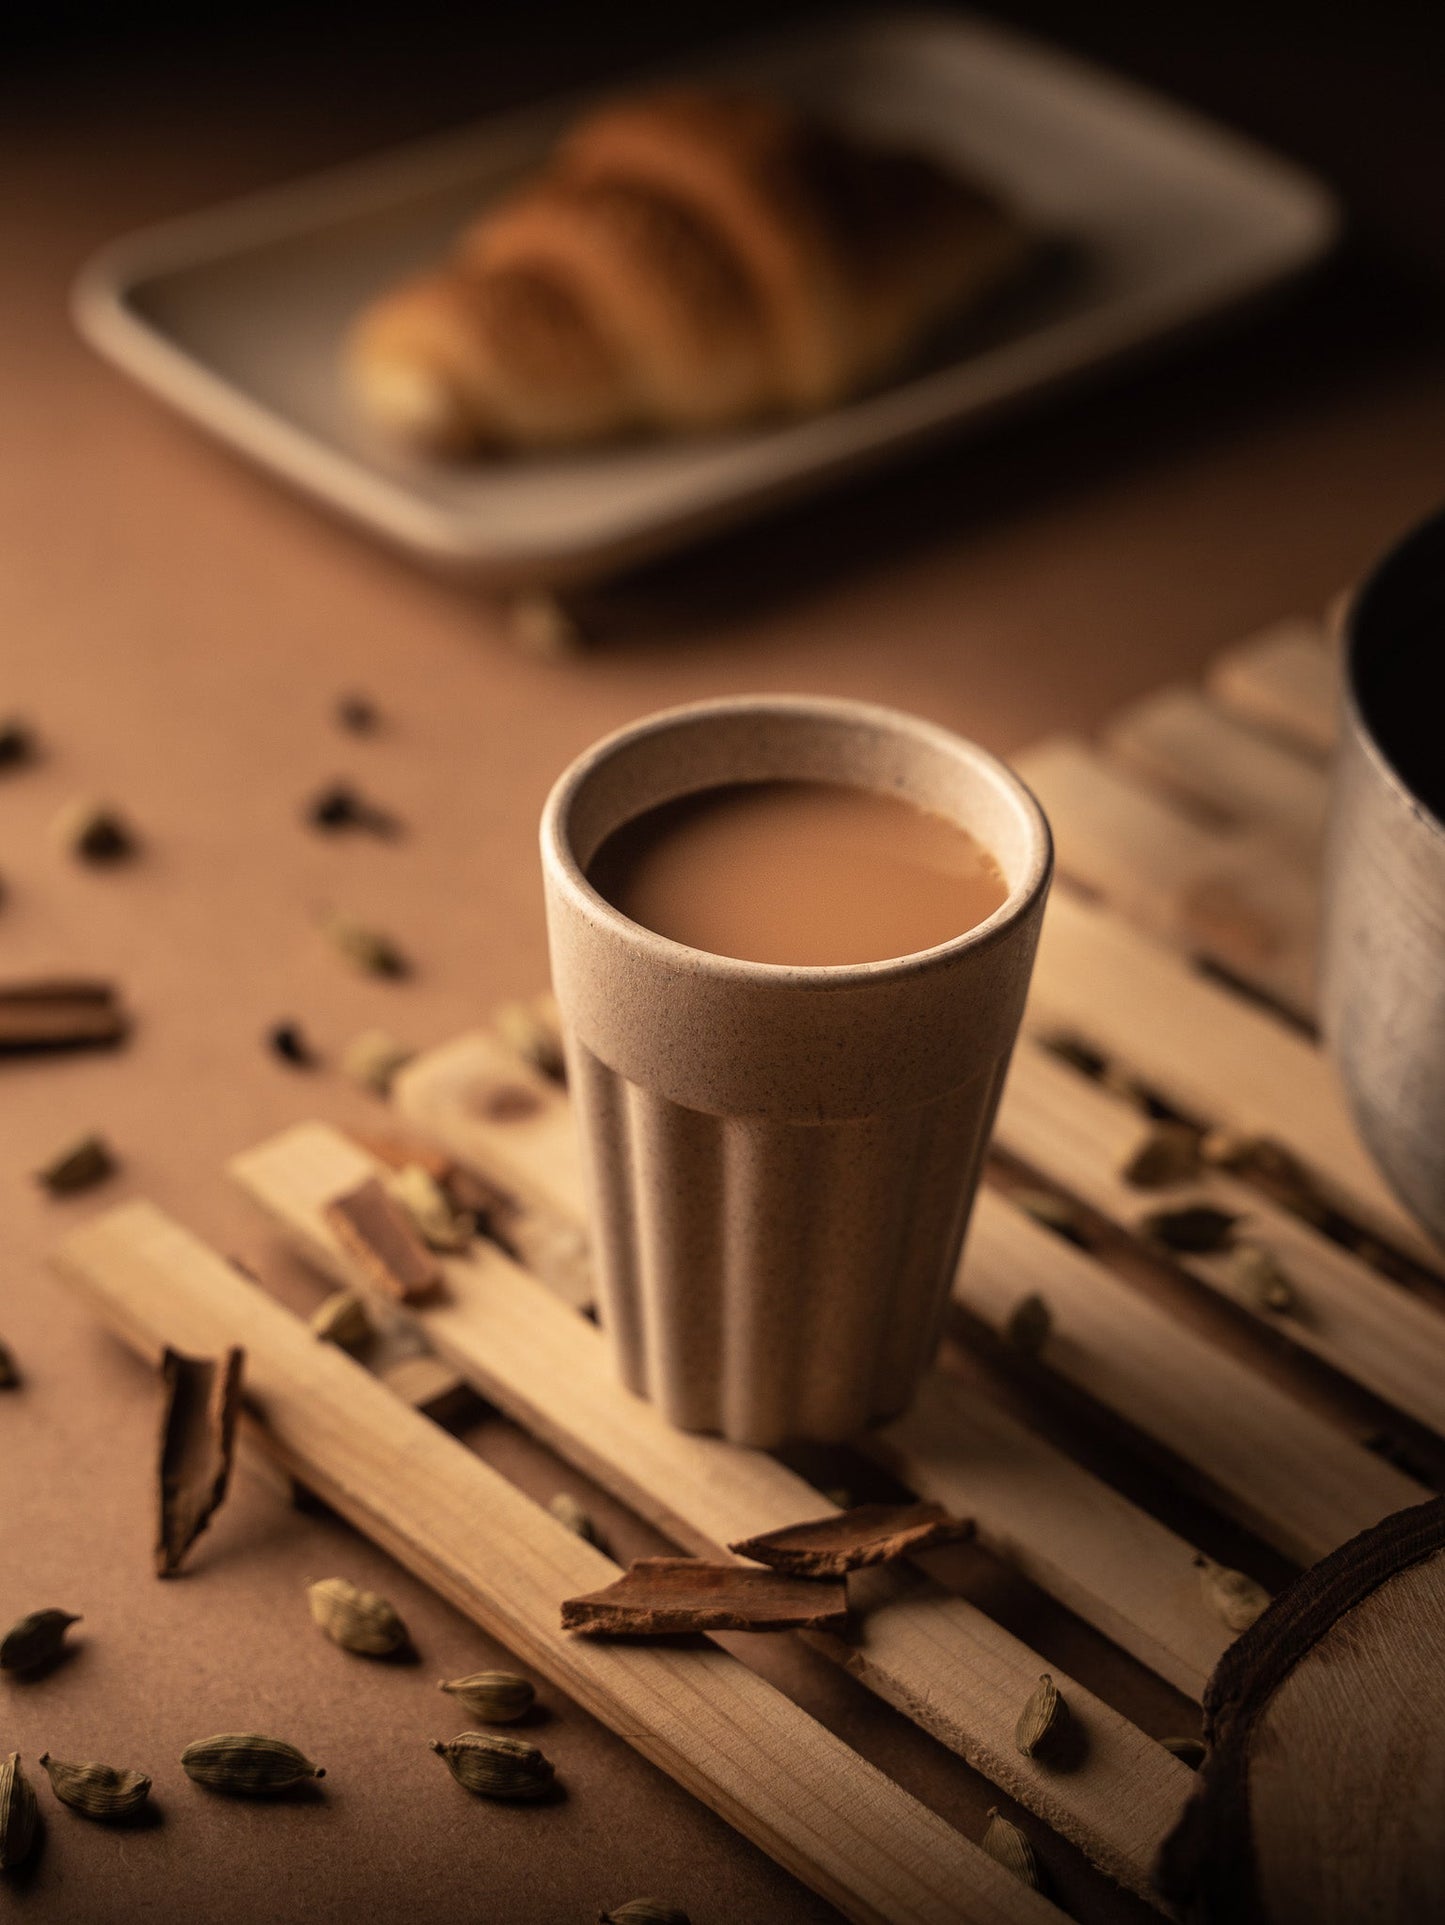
(235, 316)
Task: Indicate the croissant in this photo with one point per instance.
(688, 260)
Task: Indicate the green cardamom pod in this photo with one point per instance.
(425, 1202)
(644, 1911)
(342, 1320)
(1189, 1751)
(1258, 1273)
(1010, 1847)
(1053, 1212)
(19, 1814)
(247, 1764)
(496, 1697)
(497, 1767)
(357, 1620)
(77, 1166)
(368, 950)
(1236, 1597)
(565, 1508)
(97, 1791)
(1040, 1718)
(36, 1640)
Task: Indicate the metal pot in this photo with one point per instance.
(1383, 959)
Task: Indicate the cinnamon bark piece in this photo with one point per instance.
(853, 1539)
(373, 1228)
(198, 1442)
(59, 1013)
(658, 1595)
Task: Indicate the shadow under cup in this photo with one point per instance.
(781, 1160)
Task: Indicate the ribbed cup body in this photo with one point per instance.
(781, 1160)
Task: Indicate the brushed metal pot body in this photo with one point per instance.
(1383, 964)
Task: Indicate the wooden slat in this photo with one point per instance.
(1283, 680)
(1194, 749)
(1266, 1461)
(934, 1656)
(719, 1729)
(1069, 1532)
(1211, 1053)
(1237, 900)
(1082, 1136)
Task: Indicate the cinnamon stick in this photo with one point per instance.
(373, 1228)
(850, 1540)
(59, 1013)
(659, 1595)
(198, 1440)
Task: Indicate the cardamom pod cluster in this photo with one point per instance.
(95, 1790)
(497, 1767)
(36, 1640)
(496, 1697)
(19, 1814)
(644, 1911)
(357, 1620)
(247, 1764)
(1041, 1718)
(1010, 1847)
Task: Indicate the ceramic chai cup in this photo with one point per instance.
(781, 1160)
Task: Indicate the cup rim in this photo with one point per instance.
(1360, 614)
(558, 855)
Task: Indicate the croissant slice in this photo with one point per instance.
(691, 259)
(661, 286)
(455, 360)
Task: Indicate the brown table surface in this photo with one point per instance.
(178, 631)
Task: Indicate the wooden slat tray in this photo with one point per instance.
(1174, 981)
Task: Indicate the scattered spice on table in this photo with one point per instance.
(79, 1166)
(493, 1766)
(374, 1059)
(657, 1596)
(18, 744)
(357, 713)
(539, 625)
(1235, 1596)
(248, 1764)
(289, 1041)
(1042, 1718)
(1169, 1153)
(495, 1697)
(370, 950)
(342, 1319)
(578, 1519)
(439, 1225)
(19, 1814)
(107, 1792)
(360, 1621)
(9, 1371)
(1195, 1229)
(376, 1232)
(198, 1442)
(34, 1642)
(60, 1012)
(340, 807)
(94, 832)
(865, 1535)
(1028, 1325)
(1010, 1847)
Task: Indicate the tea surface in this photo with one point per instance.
(807, 873)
